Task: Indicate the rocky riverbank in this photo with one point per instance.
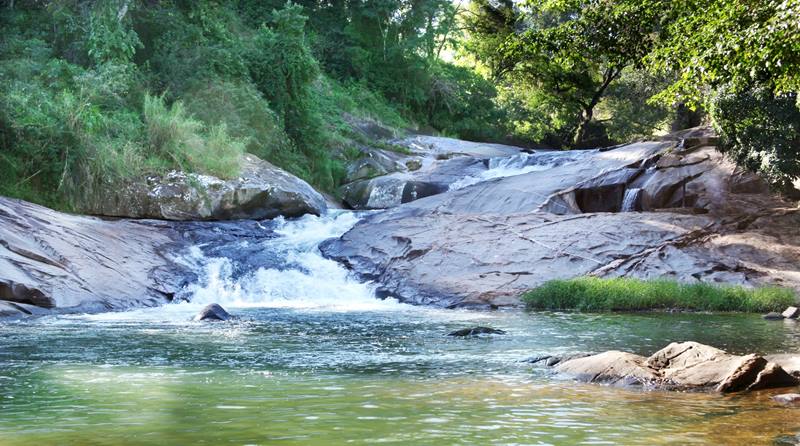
(700, 219)
(469, 225)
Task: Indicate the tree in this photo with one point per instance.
(576, 49)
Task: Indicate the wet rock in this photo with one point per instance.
(537, 359)
(773, 316)
(56, 262)
(787, 361)
(680, 366)
(791, 313)
(212, 312)
(786, 440)
(261, 191)
(787, 398)
(474, 331)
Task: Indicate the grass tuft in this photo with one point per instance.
(624, 294)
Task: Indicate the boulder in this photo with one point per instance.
(773, 316)
(791, 313)
(261, 191)
(474, 331)
(213, 313)
(680, 366)
(56, 262)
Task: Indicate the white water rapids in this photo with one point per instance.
(306, 280)
(520, 164)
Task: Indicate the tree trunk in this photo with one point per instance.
(587, 113)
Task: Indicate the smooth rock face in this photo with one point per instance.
(484, 244)
(384, 179)
(212, 312)
(51, 261)
(680, 366)
(261, 191)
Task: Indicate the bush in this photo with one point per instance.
(623, 294)
(183, 141)
(760, 131)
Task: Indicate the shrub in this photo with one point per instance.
(624, 294)
(760, 131)
(182, 140)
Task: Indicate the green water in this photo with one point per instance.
(388, 375)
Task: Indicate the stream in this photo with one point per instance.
(315, 359)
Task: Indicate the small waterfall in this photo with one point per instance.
(290, 271)
(522, 163)
(631, 199)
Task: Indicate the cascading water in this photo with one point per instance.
(296, 275)
(631, 199)
(522, 163)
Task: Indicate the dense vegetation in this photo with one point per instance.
(623, 294)
(93, 92)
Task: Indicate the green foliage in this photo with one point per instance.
(247, 116)
(183, 141)
(622, 294)
(283, 69)
(760, 131)
(461, 102)
(733, 42)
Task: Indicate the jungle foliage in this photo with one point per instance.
(92, 92)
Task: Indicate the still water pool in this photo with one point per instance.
(320, 377)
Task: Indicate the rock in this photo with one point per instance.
(773, 316)
(537, 359)
(56, 262)
(680, 366)
(786, 440)
(261, 191)
(483, 244)
(791, 313)
(474, 331)
(212, 312)
(440, 147)
(787, 398)
(789, 362)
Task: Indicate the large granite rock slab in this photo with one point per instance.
(51, 261)
(680, 366)
(261, 191)
(484, 244)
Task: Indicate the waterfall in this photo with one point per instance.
(631, 199)
(522, 163)
(292, 274)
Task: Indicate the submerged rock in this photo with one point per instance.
(787, 398)
(680, 366)
(212, 312)
(261, 191)
(474, 331)
(773, 316)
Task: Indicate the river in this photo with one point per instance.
(315, 359)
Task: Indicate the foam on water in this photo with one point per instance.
(308, 280)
